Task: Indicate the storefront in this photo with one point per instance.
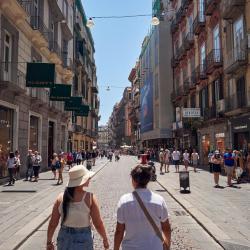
(220, 141)
(241, 133)
(205, 148)
(6, 137)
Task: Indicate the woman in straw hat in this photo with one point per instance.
(75, 208)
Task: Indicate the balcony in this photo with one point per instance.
(186, 86)
(55, 48)
(174, 26)
(193, 80)
(185, 3)
(180, 14)
(58, 15)
(235, 59)
(214, 60)
(37, 23)
(236, 102)
(67, 31)
(199, 23)
(78, 128)
(26, 5)
(210, 6)
(11, 78)
(200, 73)
(209, 113)
(188, 41)
(39, 96)
(95, 89)
(182, 52)
(232, 8)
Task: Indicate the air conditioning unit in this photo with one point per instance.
(220, 106)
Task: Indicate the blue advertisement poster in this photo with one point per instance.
(147, 104)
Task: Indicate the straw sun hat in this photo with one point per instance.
(78, 175)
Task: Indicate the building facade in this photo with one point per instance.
(156, 110)
(211, 72)
(84, 129)
(33, 31)
(103, 142)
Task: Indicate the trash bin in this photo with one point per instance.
(89, 164)
(144, 158)
(184, 182)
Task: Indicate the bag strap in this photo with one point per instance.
(148, 216)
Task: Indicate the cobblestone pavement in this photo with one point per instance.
(109, 185)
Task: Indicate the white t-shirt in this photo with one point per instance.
(176, 155)
(186, 156)
(139, 233)
(195, 156)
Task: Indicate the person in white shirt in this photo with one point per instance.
(195, 159)
(186, 159)
(176, 159)
(161, 159)
(166, 160)
(133, 230)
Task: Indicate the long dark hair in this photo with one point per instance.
(67, 197)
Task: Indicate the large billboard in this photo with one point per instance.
(147, 116)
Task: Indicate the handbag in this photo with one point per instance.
(151, 221)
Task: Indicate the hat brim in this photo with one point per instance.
(81, 180)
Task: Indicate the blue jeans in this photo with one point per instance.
(74, 238)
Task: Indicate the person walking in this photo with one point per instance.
(186, 159)
(59, 166)
(134, 230)
(161, 159)
(54, 164)
(166, 160)
(216, 160)
(69, 160)
(229, 163)
(176, 160)
(210, 154)
(75, 207)
(195, 159)
(11, 164)
(37, 159)
(18, 165)
(29, 165)
(79, 158)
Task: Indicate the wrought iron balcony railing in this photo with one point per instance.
(199, 23)
(214, 60)
(37, 23)
(236, 101)
(188, 41)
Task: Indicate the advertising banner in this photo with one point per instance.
(61, 92)
(40, 75)
(146, 115)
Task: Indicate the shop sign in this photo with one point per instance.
(60, 92)
(40, 75)
(84, 111)
(220, 135)
(240, 127)
(191, 112)
(73, 104)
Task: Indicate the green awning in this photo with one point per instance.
(60, 92)
(40, 75)
(83, 111)
(73, 104)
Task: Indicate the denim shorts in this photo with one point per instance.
(75, 238)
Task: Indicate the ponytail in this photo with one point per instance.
(67, 197)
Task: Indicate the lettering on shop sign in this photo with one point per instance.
(220, 135)
(191, 112)
(240, 127)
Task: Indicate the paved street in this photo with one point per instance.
(109, 185)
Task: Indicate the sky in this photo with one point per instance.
(118, 45)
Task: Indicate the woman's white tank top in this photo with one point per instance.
(78, 214)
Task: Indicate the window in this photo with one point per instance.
(190, 24)
(202, 57)
(202, 10)
(238, 39)
(216, 44)
(33, 133)
(7, 56)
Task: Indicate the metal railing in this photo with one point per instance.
(209, 113)
(199, 22)
(37, 23)
(188, 41)
(26, 5)
(214, 58)
(236, 58)
(40, 94)
(236, 101)
(54, 47)
(9, 72)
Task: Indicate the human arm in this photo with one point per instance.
(54, 220)
(119, 233)
(98, 223)
(166, 229)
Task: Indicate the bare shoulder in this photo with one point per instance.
(59, 198)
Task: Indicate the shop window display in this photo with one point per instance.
(6, 137)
